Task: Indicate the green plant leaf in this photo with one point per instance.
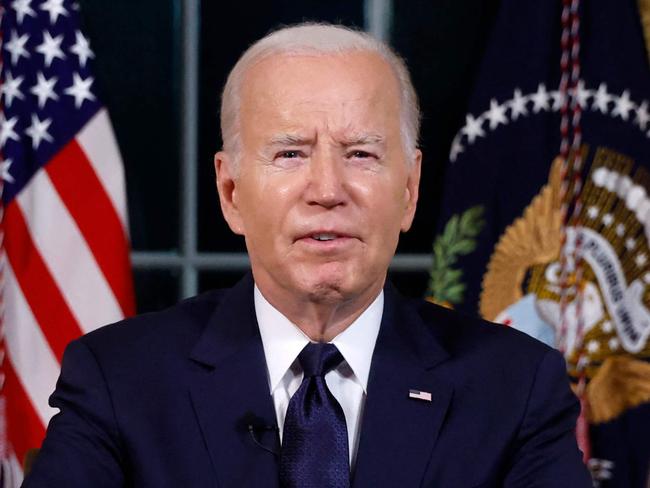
(454, 275)
(455, 293)
(463, 247)
(451, 230)
(457, 239)
(471, 221)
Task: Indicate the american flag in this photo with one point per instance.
(64, 262)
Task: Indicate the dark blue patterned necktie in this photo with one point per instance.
(315, 436)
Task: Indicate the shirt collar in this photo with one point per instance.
(282, 340)
(357, 343)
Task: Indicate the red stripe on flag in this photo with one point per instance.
(39, 288)
(91, 208)
(24, 428)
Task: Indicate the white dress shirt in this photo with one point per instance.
(283, 341)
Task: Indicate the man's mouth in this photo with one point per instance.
(324, 236)
(326, 239)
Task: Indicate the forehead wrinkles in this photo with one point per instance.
(327, 127)
(346, 91)
(332, 116)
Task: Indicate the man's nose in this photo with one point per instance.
(327, 186)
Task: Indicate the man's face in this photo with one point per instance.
(323, 187)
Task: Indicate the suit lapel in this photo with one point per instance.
(229, 391)
(398, 433)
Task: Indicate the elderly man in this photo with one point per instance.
(313, 371)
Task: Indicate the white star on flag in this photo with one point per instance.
(16, 46)
(22, 8)
(593, 346)
(54, 8)
(7, 129)
(80, 89)
(607, 326)
(630, 243)
(582, 95)
(540, 99)
(497, 114)
(4, 171)
(44, 89)
(518, 105)
(640, 260)
(642, 115)
(623, 105)
(38, 131)
(51, 48)
(601, 99)
(11, 89)
(592, 212)
(82, 49)
(473, 128)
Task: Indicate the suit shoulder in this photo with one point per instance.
(177, 326)
(460, 331)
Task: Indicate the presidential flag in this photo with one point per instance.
(546, 218)
(64, 258)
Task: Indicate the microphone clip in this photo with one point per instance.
(253, 429)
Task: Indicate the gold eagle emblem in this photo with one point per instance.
(522, 287)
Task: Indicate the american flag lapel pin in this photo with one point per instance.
(420, 395)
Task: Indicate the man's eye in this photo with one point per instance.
(360, 154)
(288, 154)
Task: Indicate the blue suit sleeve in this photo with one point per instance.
(82, 444)
(547, 454)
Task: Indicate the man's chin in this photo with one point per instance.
(324, 285)
(326, 293)
(316, 284)
(335, 287)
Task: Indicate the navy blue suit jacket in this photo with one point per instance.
(165, 400)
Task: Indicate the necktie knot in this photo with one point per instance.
(318, 358)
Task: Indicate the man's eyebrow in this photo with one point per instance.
(361, 139)
(299, 140)
(290, 140)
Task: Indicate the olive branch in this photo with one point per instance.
(457, 239)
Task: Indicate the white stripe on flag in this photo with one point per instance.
(67, 255)
(16, 470)
(98, 142)
(12, 471)
(34, 362)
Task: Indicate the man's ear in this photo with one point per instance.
(412, 190)
(226, 175)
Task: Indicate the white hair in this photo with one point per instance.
(317, 38)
